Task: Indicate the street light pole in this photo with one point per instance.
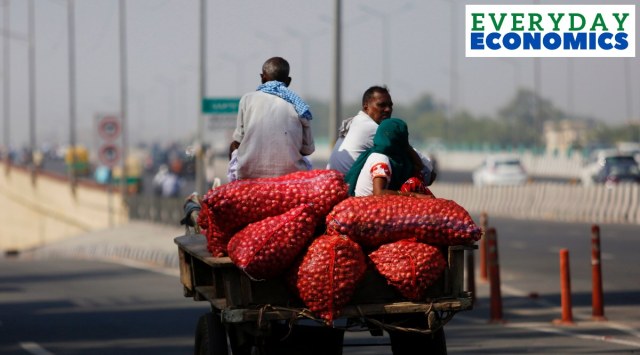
(32, 89)
(336, 102)
(635, 135)
(537, 87)
(516, 70)
(386, 37)
(6, 101)
(304, 43)
(123, 98)
(72, 92)
(171, 103)
(570, 93)
(384, 20)
(271, 40)
(239, 62)
(453, 66)
(200, 181)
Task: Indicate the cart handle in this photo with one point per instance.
(191, 209)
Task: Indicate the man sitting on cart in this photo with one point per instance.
(273, 132)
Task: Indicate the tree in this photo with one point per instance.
(524, 116)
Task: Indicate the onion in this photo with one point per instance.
(266, 248)
(409, 266)
(372, 221)
(326, 277)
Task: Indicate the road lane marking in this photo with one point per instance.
(144, 266)
(34, 348)
(518, 245)
(544, 327)
(584, 317)
(606, 256)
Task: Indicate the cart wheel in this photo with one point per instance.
(437, 342)
(211, 337)
(408, 343)
(242, 343)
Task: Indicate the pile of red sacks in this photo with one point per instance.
(305, 227)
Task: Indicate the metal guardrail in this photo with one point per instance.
(165, 210)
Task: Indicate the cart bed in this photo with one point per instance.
(240, 299)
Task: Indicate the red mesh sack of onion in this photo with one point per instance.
(216, 239)
(409, 266)
(266, 248)
(326, 277)
(233, 206)
(375, 220)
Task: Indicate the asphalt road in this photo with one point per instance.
(52, 306)
(88, 307)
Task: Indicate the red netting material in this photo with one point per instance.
(327, 276)
(267, 248)
(409, 266)
(372, 221)
(233, 206)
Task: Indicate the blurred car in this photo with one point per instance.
(610, 167)
(500, 170)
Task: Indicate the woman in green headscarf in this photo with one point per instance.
(385, 167)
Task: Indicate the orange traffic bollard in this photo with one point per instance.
(565, 289)
(483, 247)
(596, 276)
(494, 276)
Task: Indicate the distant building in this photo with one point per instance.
(563, 135)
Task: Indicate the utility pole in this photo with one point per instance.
(6, 92)
(32, 89)
(536, 89)
(385, 20)
(201, 189)
(635, 135)
(335, 114)
(72, 92)
(453, 65)
(123, 97)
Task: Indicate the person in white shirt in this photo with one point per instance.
(273, 133)
(356, 133)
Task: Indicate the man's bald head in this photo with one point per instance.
(276, 68)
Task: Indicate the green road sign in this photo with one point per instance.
(220, 105)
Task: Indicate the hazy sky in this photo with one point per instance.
(163, 61)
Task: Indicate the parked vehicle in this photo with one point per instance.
(610, 167)
(134, 174)
(77, 159)
(500, 169)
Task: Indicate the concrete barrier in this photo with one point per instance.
(44, 210)
(549, 201)
(549, 165)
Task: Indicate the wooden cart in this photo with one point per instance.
(262, 317)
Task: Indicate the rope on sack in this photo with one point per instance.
(435, 320)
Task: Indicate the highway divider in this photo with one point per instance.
(548, 201)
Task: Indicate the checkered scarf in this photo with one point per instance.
(280, 89)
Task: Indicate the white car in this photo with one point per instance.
(500, 170)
